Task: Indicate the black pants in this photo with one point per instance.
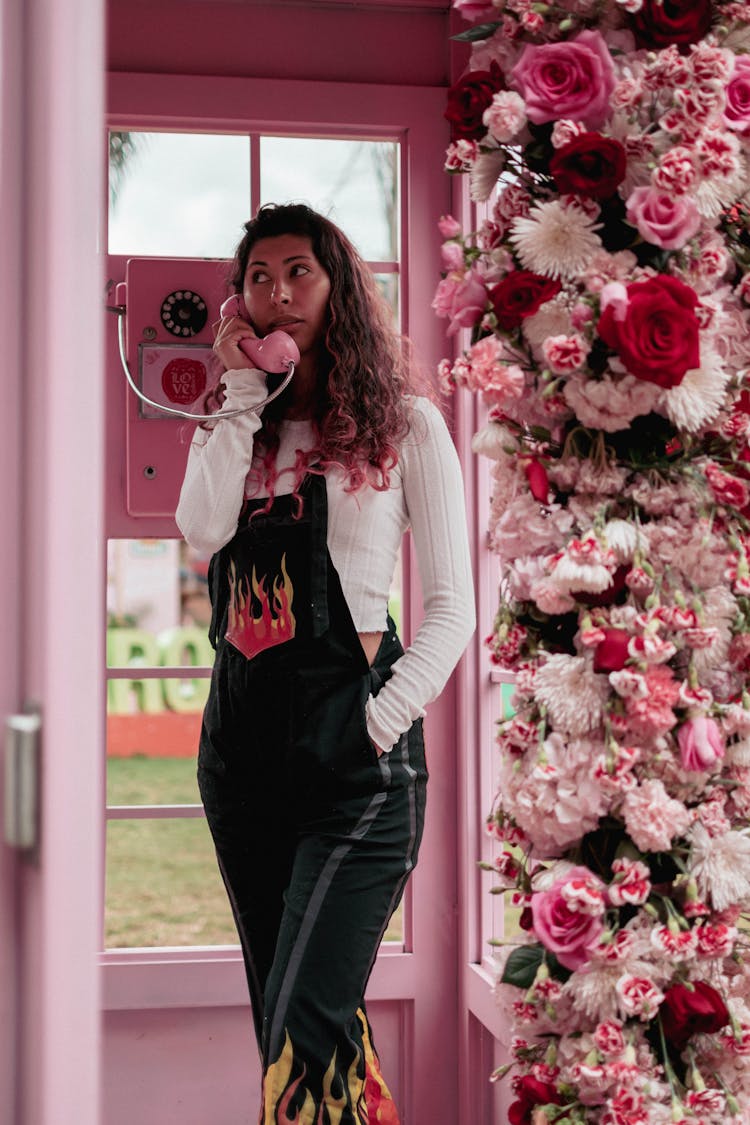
(315, 837)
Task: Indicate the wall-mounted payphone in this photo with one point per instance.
(166, 307)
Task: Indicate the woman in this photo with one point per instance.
(311, 761)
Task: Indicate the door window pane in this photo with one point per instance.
(354, 183)
(179, 195)
(148, 779)
(163, 886)
(158, 608)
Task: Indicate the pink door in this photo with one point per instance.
(176, 1032)
(50, 556)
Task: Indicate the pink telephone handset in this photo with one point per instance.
(272, 353)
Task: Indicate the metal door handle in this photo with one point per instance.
(21, 819)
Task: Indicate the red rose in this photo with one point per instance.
(530, 1093)
(690, 1011)
(657, 337)
(663, 22)
(468, 99)
(536, 475)
(590, 165)
(519, 295)
(612, 652)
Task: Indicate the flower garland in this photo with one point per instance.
(608, 295)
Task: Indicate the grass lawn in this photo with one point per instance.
(163, 885)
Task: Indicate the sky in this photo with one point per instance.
(187, 194)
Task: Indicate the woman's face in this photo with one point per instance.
(287, 288)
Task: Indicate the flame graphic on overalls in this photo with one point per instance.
(274, 624)
(370, 1099)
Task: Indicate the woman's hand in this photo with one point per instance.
(229, 332)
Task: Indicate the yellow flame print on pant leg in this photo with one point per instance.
(279, 1089)
(370, 1099)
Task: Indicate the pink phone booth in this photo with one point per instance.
(170, 304)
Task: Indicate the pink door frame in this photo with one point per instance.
(50, 289)
(414, 990)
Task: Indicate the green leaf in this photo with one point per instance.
(521, 967)
(474, 34)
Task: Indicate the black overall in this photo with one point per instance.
(315, 834)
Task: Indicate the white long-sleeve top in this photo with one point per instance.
(365, 529)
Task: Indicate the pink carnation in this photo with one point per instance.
(676, 171)
(505, 116)
(564, 132)
(639, 996)
(565, 353)
(652, 818)
(609, 1038)
(715, 940)
(631, 884)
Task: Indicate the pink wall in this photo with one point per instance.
(52, 379)
(405, 44)
(10, 520)
(198, 1066)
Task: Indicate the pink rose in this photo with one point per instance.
(701, 744)
(571, 79)
(452, 257)
(664, 219)
(448, 226)
(571, 934)
(462, 300)
(737, 112)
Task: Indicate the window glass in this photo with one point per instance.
(354, 183)
(151, 758)
(158, 609)
(179, 195)
(388, 285)
(164, 886)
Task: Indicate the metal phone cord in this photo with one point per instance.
(120, 311)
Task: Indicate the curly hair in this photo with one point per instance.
(361, 413)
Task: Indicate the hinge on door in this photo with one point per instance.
(21, 781)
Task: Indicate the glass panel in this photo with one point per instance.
(136, 776)
(183, 195)
(158, 610)
(354, 183)
(395, 931)
(163, 886)
(388, 283)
